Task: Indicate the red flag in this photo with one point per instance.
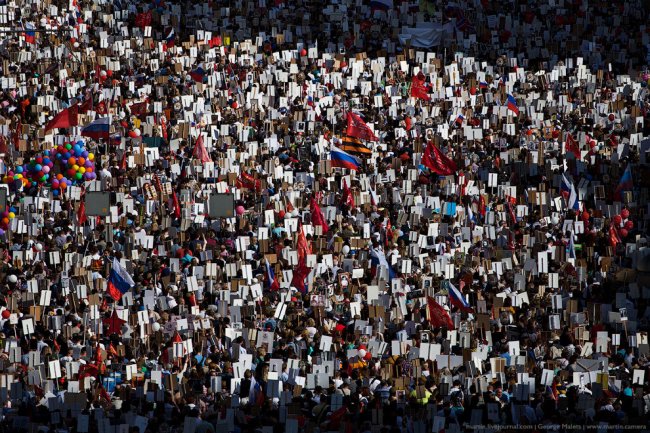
(571, 146)
(389, 232)
(302, 245)
(348, 198)
(481, 206)
(81, 213)
(245, 180)
(114, 324)
(86, 105)
(64, 119)
(200, 152)
(103, 394)
(139, 108)
(143, 19)
(437, 315)
(111, 350)
(97, 359)
(435, 161)
(418, 90)
(177, 206)
(123, 163)
(358, 128)
(87, 370)
(317, 216)
(302, 270)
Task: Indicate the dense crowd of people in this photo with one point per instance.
(381, 216)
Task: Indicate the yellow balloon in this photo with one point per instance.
(75, 167)
(12, 215)
(91, 156)
(82, 170)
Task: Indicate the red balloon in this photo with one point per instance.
(585, 216)
(6, 314)
(617, 219)
(303, 52)
(623, 233)
(629, 225)
(625, 213)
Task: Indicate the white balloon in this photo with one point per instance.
(362, 353)
(156, 327)
(12, 278)
(39, 247)
(345, 250)
(295, 213)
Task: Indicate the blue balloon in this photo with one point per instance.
(19, 169)
(38, 167)
(55, 192)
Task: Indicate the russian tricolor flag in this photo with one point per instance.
(119, 281)
(98, 128)
(458, 300)
(568, 191)
(170, 38)
(272, 282)
(343, 159)
(459, 120)
(198, 74)
(30, 34)
(482, 85)
(512, 104)
(625, 184)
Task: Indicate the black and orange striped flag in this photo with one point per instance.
(353, 145)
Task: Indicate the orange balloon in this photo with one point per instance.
(81, 161)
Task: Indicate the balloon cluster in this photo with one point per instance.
(622, 223)
(65, 165)
(7, 216)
